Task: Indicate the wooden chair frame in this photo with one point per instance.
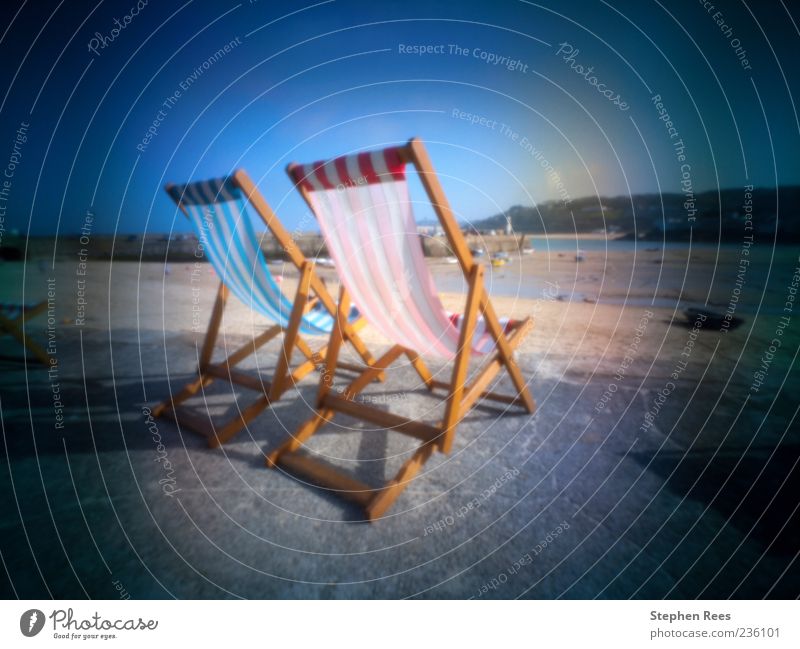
(460, 396)
(310, 290)
(15, 327)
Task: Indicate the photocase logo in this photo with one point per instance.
(31, 622)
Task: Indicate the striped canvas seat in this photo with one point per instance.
(218, 213)
(363, 206)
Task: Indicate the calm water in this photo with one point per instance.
(559, 244)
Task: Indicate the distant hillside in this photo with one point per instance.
(653, 216)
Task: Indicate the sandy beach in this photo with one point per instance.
(642, 418)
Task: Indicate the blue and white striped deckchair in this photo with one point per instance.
(218, 212)
(13, 317)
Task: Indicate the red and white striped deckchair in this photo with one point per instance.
(365, 213)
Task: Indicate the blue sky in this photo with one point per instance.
(310, 80)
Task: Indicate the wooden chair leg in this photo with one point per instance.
(421, 369)
(306, 351)
(213, 326)
(250, 347)
(305, 431)
(216, 436)
(477, 388)
(461, 365)
(389, 493)
(290, 334)
(13, 328)
(506, 353)
(188, 391)
(207, 350)
(240, 420)
(323, 414)
(361, 349)
(334, 346)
